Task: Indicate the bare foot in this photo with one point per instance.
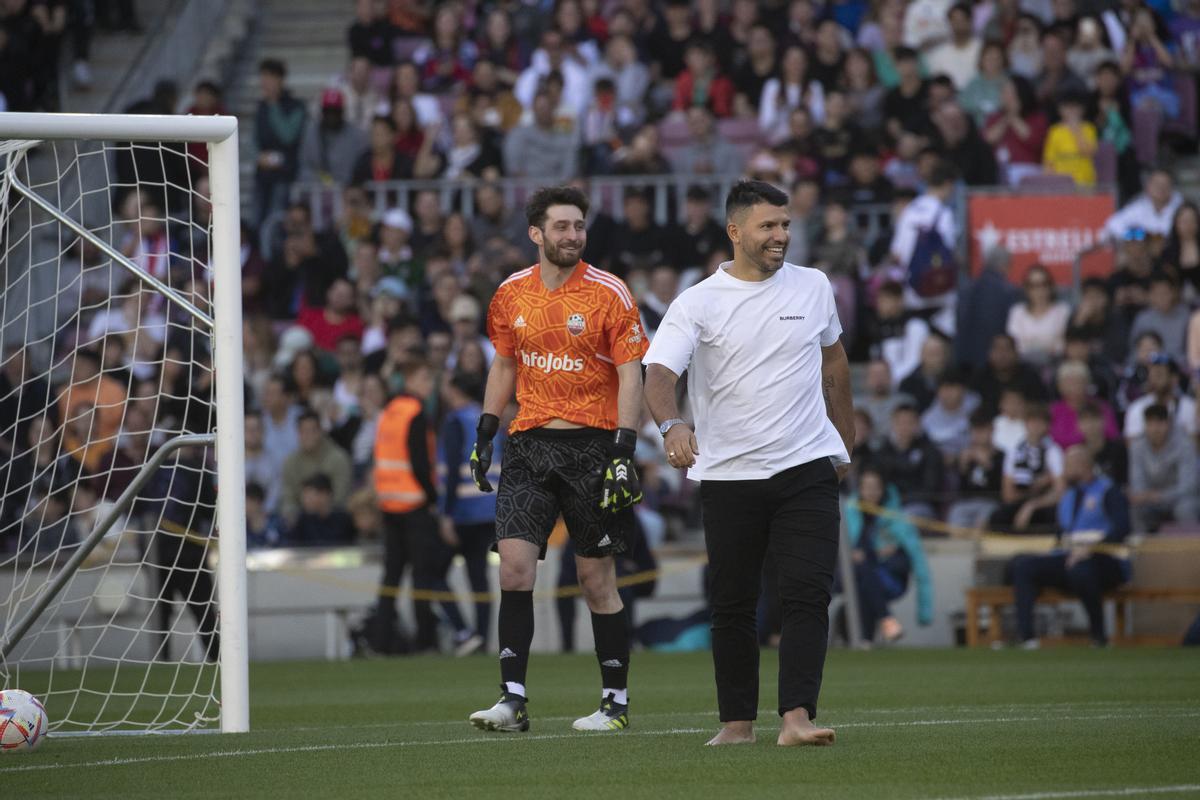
(734, 733)
(798, 731)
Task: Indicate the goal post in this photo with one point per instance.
(77, 153)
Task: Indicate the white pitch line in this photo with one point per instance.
(317, 748)
(544, 737)
(768, 712)
(1002, 720)
(1129, 791)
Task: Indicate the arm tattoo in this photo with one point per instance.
(827, 388)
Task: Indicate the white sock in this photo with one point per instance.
(620, 696)
(515, 688)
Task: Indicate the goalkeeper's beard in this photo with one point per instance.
(554, 254)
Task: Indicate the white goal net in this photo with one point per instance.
(110, 540)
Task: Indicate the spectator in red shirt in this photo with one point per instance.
(337, 320)
(700, 84)
(1016, 131)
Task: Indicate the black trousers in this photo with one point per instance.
(180, 570)
(1087, 579)
(475, 542)
(791, 518)
(412, 538)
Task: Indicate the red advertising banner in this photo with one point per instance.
(1046, 229)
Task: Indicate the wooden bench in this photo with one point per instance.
(995, 598)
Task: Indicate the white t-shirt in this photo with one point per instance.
(752, 351)
(1183, 414)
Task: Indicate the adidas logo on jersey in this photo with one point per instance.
(551, 362)
(520, 321)
(605, 542)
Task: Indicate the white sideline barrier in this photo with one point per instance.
(300, 603)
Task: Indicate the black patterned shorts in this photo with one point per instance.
(547, 472)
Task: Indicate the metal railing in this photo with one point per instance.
(668, 194)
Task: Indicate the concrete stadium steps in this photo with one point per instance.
(310, 37)
(112, 53)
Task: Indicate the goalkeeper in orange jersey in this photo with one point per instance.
(569, 341)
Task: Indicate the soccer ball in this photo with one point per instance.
(22, 721)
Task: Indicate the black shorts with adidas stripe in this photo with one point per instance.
(547, 472)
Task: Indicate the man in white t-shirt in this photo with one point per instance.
(1162, 387)
(769, 385)
(957, 57)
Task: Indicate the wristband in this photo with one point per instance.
(489, 424)
(624, 442)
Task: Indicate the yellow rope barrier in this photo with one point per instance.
(483, 597)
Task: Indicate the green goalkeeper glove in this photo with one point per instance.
(481, 454)
(622, 487)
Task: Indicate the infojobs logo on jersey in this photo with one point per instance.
(551, 362)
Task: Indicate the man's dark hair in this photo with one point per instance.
(892, 289)
(273, 66)
(210, 87)
(1157, 411)
(952, 376)
(944, 172)
(88, 354)
(254, 491)
(384, 119)
(746, 194)
(943, 80)
(308, 414)
(1094, 283)
(469, 384)
(699, 194)
(962, 8)
(981, 418)
(904, 54)
(1090, 409)
(1072, 97)
(1162, 276)
(542, 199)
(320, 482)
(1037, 410)
(905, 407)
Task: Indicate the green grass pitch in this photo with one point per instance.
(910, 724)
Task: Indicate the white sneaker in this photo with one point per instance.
(508, 715)
(469, 646)
(1031, 644)
(611, 716)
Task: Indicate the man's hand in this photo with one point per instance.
(681, 446)
(842, 471)
(481, 454)
(1024, 516)
(447, 531)
(622, 488)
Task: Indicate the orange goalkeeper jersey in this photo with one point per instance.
(566, 343)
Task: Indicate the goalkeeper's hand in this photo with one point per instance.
(481, 454)
(622, 487)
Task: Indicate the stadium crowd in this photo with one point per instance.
(977, 399)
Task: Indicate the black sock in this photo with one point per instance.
(515, 630)
(611, 632)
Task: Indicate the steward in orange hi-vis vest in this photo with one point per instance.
(407, 495)
(397, 485)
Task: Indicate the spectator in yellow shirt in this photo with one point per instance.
(1071, 143)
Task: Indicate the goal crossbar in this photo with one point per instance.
(220, 134)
